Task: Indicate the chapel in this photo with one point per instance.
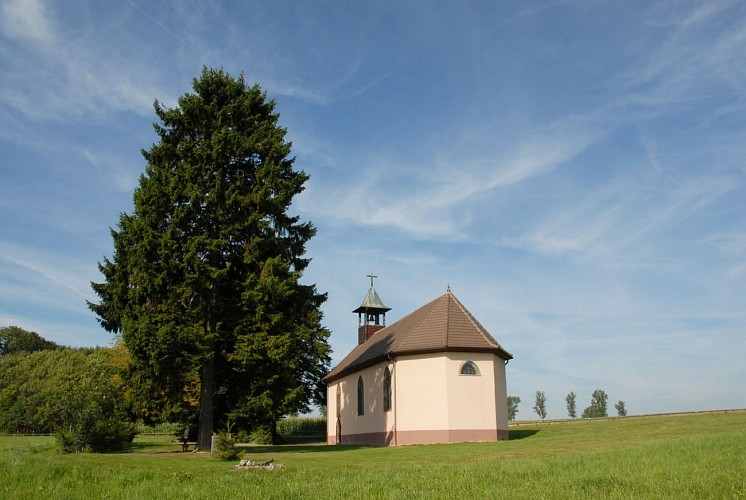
(434, 376)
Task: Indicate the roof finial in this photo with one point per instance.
(371, 276)
(448, 290)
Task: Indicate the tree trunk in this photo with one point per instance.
(205, 426)
(207, 392)
(276, 438)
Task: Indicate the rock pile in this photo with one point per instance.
(250, 464)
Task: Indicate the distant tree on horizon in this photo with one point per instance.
(621, 410)
(598, 406)
(572, 410)
(513, 402)
(15, 339)
(540, 406)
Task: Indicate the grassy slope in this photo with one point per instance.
(702, 456)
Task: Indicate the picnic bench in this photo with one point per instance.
(184, 443)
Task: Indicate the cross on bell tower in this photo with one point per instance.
(371, 314)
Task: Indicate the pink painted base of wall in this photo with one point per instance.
(450, 436)
(368, 438)
(422, 437)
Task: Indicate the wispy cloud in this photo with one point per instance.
(60, 77)
(326, 92)
(156, 22)
(26, 20)
(702, 52)
(628, 222)
(67, 279)
(120, 170)
(437, 203)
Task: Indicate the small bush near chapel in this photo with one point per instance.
(226, 447)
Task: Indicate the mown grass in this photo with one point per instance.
(693, 456)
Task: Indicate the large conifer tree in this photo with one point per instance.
(204, 280)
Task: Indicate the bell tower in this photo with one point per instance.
(371, 315)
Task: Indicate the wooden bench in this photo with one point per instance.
(184, 444)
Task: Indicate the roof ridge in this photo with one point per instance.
(448, 316)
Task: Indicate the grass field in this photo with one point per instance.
(690, 456)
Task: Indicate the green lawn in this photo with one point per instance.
(692, 456)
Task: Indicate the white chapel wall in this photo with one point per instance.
(431, 401)
(471, 398)
(501, 395)
(374, 420)
(421, 399)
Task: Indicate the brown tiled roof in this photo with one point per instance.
(441, 325)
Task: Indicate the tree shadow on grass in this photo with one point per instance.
(149, 447)
(522, 434)
(299, 448)
(142, 446)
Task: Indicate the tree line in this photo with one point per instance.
(598, 406)
(79, 395)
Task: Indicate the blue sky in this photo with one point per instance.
(575, 171)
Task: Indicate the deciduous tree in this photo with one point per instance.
(621, 410)
(598, 406)
(16, 339)
(204, 283)
(540, 406)
(78, 394)
(513, 402)
(572, 411)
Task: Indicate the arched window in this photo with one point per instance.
(469, 368)
(339, 400)
(360, 396)
(387, 389)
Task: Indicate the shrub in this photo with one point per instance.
(76, 393)
(242, 436)
(107, 434)
(90, 413)
(261, 435)
(226, 447)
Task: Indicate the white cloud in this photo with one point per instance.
(26, 20)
